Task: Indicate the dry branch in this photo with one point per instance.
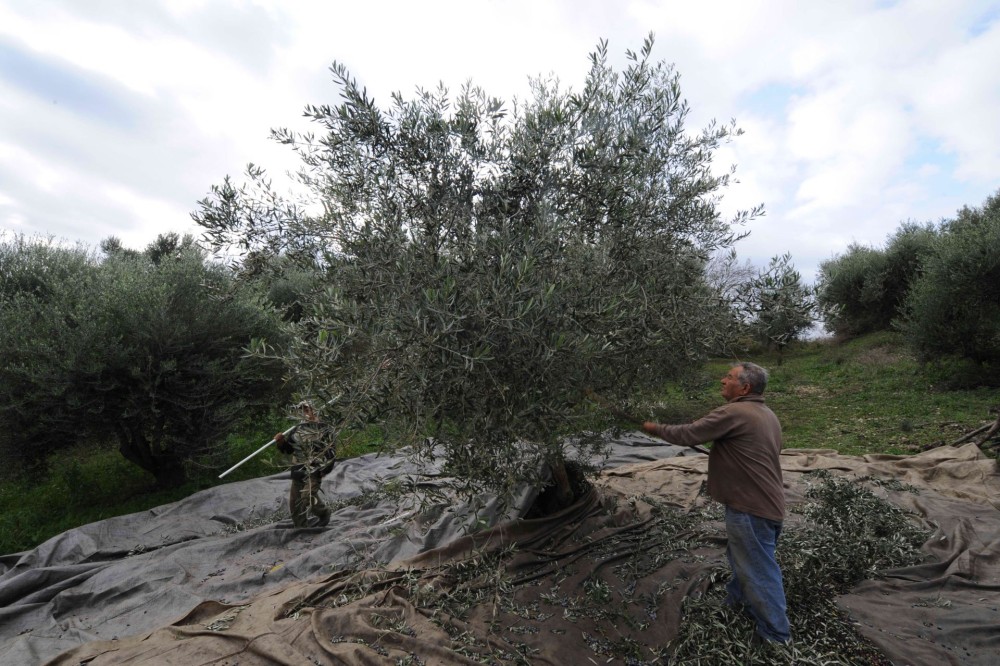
(993, 429)
(969, 435)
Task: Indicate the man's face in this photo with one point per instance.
(732, 387)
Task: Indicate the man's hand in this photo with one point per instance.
(282, 443)
(649, 427)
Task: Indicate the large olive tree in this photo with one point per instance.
(487, 265)
(140, 350)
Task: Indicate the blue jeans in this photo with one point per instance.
(756, 583)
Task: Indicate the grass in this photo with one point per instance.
(864, 396)
(868, 395)
(90, 483)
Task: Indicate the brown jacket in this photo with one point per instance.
(743, 468)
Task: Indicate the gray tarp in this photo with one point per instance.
(134, 573)
(223, 609)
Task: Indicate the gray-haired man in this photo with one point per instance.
(744, 473)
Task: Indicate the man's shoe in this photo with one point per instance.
(758, 641)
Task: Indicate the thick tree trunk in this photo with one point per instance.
(169, 471)
(555, 497)
(563, 487)
(167, 468)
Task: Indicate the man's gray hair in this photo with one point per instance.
(754, 375)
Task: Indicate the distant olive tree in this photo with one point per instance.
(732, 278)
(864, 290)
(485, 266)
(953, 308)
(770, 306)
(783, 307)
(46, 332)
(906, 250)
(143, 350)
(849, 291)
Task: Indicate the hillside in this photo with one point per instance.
(868, 395)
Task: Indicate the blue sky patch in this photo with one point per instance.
(57, 82)
(929, 151)
(769, 98)
(984, 22)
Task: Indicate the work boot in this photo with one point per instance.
(322, 514)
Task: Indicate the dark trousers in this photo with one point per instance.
(304, 498)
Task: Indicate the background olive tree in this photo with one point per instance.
(768, 306)
(140, 350)
(781, 306)
(864, 289)
(487, 265)
(953, 307)
(46, 332)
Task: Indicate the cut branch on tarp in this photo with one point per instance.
(971, 435)
(982, 435)
(985, 433)
(993, 431)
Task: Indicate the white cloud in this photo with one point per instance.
(858, 114)
(43, 176)
(956, 99)
(106, 49)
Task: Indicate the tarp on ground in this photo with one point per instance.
(940, 612)
(132, 574)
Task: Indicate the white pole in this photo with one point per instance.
(286, 434)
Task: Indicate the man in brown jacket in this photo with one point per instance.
(744, 474)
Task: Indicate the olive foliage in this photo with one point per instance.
(783, 305)
(864, 290)
(143, 350)
(953, 308)
(771, 306)
(485, 265)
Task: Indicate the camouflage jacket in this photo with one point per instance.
(314, 445)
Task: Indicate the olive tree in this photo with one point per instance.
(143, 350)
(46, 333)
(782, 307)
(953, 307)
(486, 266)
(865, 289)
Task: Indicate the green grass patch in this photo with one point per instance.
(868, 395)
(90, 483)
(83, 485)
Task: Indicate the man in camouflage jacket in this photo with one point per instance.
(312, 446)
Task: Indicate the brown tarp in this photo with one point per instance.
(415, 611)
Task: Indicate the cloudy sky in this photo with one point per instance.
(116, 116)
